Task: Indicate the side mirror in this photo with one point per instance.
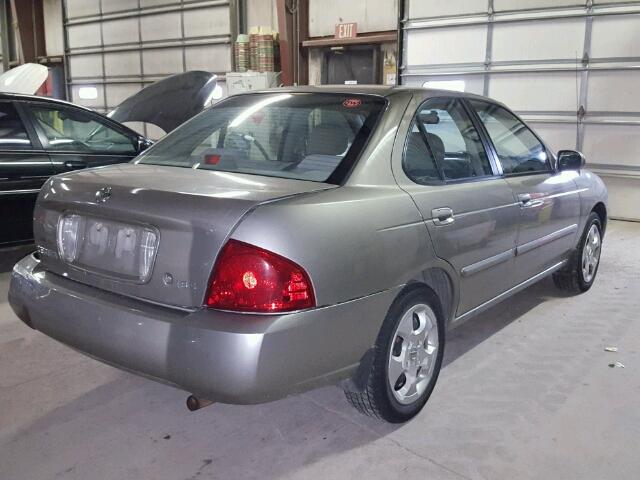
(142, 144)
(570, 160)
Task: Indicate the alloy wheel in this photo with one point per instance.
(413, 354)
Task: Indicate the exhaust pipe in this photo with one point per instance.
(194, 403)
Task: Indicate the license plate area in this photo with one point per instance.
(107, 247)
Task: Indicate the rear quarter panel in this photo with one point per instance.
(353, 241)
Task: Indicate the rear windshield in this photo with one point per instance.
(306, 136)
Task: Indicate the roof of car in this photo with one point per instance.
(20, 96)
(381, 90)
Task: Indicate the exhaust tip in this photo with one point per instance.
(194, 403)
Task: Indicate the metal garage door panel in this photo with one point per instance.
(501, 5)
(472, 83)
(81, 8)
(441, 8)
(162, 61)
(120, 31)
(97, 103)
(535, 91)
(213, 58)
(614, 91)
(612, 144)
(111, 6)
(155, 3)
(160, 27)
(559, 136)
(209, 21)
(83, 35)
(554, 39)
(624, 196)
(85, 66)
(444, 45)
(607, 35)
(122, 63)
(119, 92)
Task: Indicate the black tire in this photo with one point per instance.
(369, 391)
(571, 278)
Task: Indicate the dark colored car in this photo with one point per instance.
(41, 137)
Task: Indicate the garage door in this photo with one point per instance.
(567, 67)
(116, 47)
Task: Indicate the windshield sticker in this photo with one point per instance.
(352, 103)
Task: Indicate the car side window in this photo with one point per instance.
(518, 149)
(444, 144)
(13, 134)
(73, 130)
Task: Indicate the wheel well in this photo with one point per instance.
(601, 211)
(438, 281)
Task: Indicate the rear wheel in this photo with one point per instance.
(580, 273)
(407, 358)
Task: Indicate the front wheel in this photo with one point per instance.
(407, 358)
(580, 273)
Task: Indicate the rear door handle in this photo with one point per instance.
(442, 216)
(75, 164)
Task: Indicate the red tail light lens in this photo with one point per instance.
(249, 279)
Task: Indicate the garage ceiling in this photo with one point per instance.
(120, 46)
(569, 68)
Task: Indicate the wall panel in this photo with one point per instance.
(371, 15)
(120, 46)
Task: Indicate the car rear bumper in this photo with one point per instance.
(222, 356)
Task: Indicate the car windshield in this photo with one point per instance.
(306, 136)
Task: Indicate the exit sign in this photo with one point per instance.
(346, 30)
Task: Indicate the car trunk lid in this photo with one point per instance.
(189, 212)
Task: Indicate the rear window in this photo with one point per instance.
(305, 136)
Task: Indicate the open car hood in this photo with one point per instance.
(25, 79)
(170, 102)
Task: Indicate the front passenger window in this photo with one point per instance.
(444, 144)
(518, 149)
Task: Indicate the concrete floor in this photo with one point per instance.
(525, 393)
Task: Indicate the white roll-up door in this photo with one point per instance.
(570, 68)
(116, 47)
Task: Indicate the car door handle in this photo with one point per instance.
(526, 201)
(442, 216)
(75, 164)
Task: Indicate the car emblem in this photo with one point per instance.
(103, 194)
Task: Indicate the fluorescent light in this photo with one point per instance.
(455, 85)
(88, 93)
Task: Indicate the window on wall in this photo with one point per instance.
(69, 129)
(12, 132)
(518, 149)
(444, 144)
(351, 65)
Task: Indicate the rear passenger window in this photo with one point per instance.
(12, 132)
(444, 144)
(517, 147)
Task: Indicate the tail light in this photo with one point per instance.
(68, 233)
(249, 279)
